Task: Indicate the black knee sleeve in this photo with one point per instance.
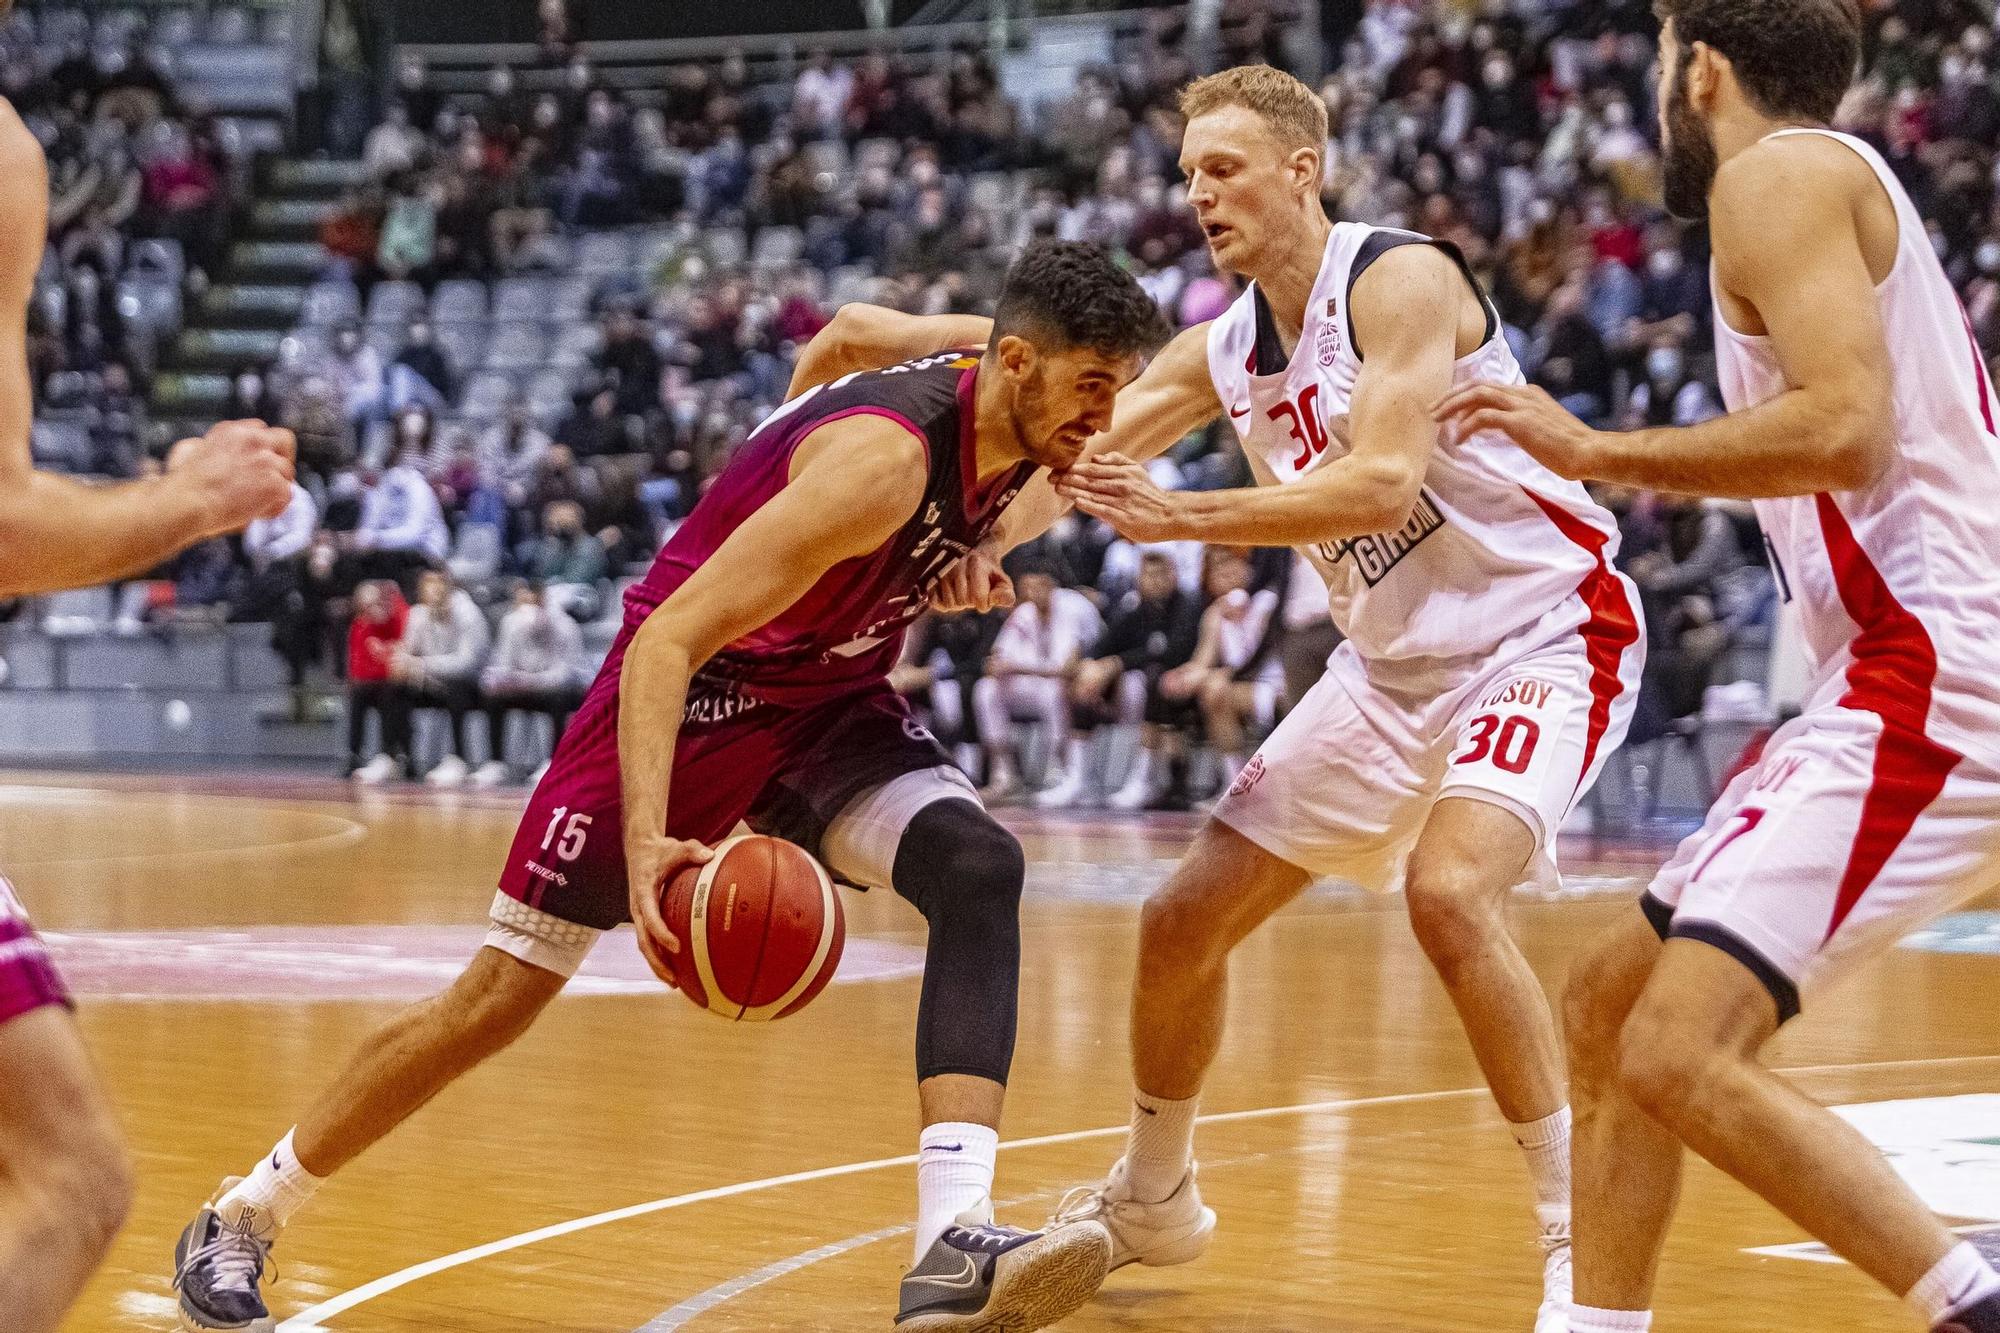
(964, 873)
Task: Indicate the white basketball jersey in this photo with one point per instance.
(1497, 541)
(1898, 585)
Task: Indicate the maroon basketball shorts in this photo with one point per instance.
(785, 771)
(28, 979)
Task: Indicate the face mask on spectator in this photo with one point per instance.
(1664, 365)
(1664, 263)
(1988, 257)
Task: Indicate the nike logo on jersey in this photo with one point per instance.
(1239, 411)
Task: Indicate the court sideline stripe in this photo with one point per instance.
(309, 1319)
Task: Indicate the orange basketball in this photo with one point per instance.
(760, 927)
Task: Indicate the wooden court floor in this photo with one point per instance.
(634, 1164)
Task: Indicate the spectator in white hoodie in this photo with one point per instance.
(437, 665)
(402, 527)
(537, 667)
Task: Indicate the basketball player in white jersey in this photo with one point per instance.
(1862, 425)
(1491, 652)
(65, 1179)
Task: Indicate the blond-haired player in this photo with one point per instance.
(65, 1179)
(1862, 424)
(1491, 651)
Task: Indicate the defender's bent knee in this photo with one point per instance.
(1456, 914)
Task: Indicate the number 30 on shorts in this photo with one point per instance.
(1509, 742)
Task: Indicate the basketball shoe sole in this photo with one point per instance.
(1030, 1286)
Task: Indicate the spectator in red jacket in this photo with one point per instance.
(379, 613)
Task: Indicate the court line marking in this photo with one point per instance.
(687, 1311)
(349, 830)
(722, 1293)
(310, 1319)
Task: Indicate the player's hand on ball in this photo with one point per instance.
(1527, 415)
(974, 583)
(240, 470)
(1121, 492)
(650, 862)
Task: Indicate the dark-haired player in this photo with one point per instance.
(750, 682)
(65, 1180)
(1863, 426)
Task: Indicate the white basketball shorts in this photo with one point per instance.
(1845, 836)
(1345, 782)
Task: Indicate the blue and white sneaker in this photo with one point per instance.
(219, 1266)
(982, 1278)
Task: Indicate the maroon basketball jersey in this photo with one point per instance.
(847, 630)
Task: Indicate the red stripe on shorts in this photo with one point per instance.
(1891, 676)
(1613, 625)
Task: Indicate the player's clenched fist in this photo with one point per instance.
(241, 470)
(974, 583)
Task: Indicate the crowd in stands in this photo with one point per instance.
(1522, 130)
(142, 191)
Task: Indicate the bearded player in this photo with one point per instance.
(1490, 660)
(750, 682)
(1862, 426)
(65, 1179)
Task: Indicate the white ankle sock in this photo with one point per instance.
(1545, 1143)
(954, 1173)
(1584, 1319)
(278, 1187)
(1960, 1280)
(1161, 1146)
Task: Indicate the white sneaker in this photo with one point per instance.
(492, 773)
(1557, 1279)
(1172, 1231)
(450, 772)
(1066, 791)
(1132, 796)
(377, 771)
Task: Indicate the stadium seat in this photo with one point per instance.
(516, 347)
(519, 300)
(329, 302)
(459, 301)
(396, 303)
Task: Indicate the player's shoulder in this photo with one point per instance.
(1785, 175)
(21, 157)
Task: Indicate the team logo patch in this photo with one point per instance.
(1252, 774)
(1328, 341)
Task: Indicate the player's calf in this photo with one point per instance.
(67, 1180)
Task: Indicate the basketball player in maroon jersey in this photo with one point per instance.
(750, 682)
(65, 1181)
(1862, 425)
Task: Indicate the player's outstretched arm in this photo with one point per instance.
(1405, 309)
(853, 483)
(57, 532)
(869, 337)
(1172, 396)
(1786, 244)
